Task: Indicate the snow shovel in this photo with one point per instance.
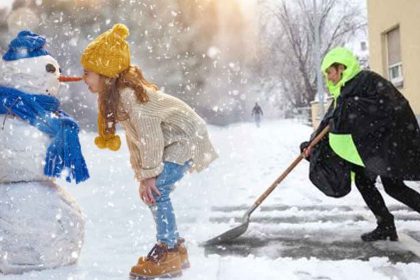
(239, 230)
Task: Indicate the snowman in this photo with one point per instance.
(41, 225)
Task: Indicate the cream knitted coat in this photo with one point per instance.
(164, 129)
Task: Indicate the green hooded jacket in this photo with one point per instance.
(342, 144)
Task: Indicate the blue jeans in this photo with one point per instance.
(162, 210)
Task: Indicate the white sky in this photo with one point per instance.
(6, 3)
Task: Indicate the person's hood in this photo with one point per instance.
(343, 56)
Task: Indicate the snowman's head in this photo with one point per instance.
(29, 67)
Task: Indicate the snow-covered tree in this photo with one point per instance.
(288, 38)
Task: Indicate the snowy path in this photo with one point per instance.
(297, 233)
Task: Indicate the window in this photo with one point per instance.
(395, 72)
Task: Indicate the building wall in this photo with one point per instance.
(315, 108)
(384, 15)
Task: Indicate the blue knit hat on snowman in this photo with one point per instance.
(26, 45)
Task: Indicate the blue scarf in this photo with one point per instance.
(42, 112)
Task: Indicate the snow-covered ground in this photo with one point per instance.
(298, 233)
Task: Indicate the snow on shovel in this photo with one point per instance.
(239, 230)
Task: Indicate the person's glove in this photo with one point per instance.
(303, 146)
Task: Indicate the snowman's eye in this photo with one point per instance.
(50, 68)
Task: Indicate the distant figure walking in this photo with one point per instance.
(257, 113)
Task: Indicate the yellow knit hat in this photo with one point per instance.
(109, 53)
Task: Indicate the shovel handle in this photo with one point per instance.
(288, 170)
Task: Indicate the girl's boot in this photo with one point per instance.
(161, 262)
(183, 254)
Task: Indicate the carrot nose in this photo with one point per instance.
(66, 79)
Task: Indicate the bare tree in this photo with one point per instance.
(288, 31)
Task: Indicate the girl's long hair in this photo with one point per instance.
(109, 98)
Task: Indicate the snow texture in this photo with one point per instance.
(296, 234)
(22, 151)
(41, 227)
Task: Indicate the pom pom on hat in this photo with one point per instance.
(113, 143)
(121, 30)
(106, 140)
(108, 54)
(26, 45)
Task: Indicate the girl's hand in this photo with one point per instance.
(146, 189)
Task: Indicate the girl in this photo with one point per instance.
(165, 138)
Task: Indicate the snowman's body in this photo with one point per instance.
(22, 152)
(41, 226)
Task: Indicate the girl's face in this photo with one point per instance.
(93, 81)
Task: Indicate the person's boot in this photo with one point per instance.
(161, 262)
(384, 231)
(183, 254)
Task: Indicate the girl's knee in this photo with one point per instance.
(161, 198)
(165, 191)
